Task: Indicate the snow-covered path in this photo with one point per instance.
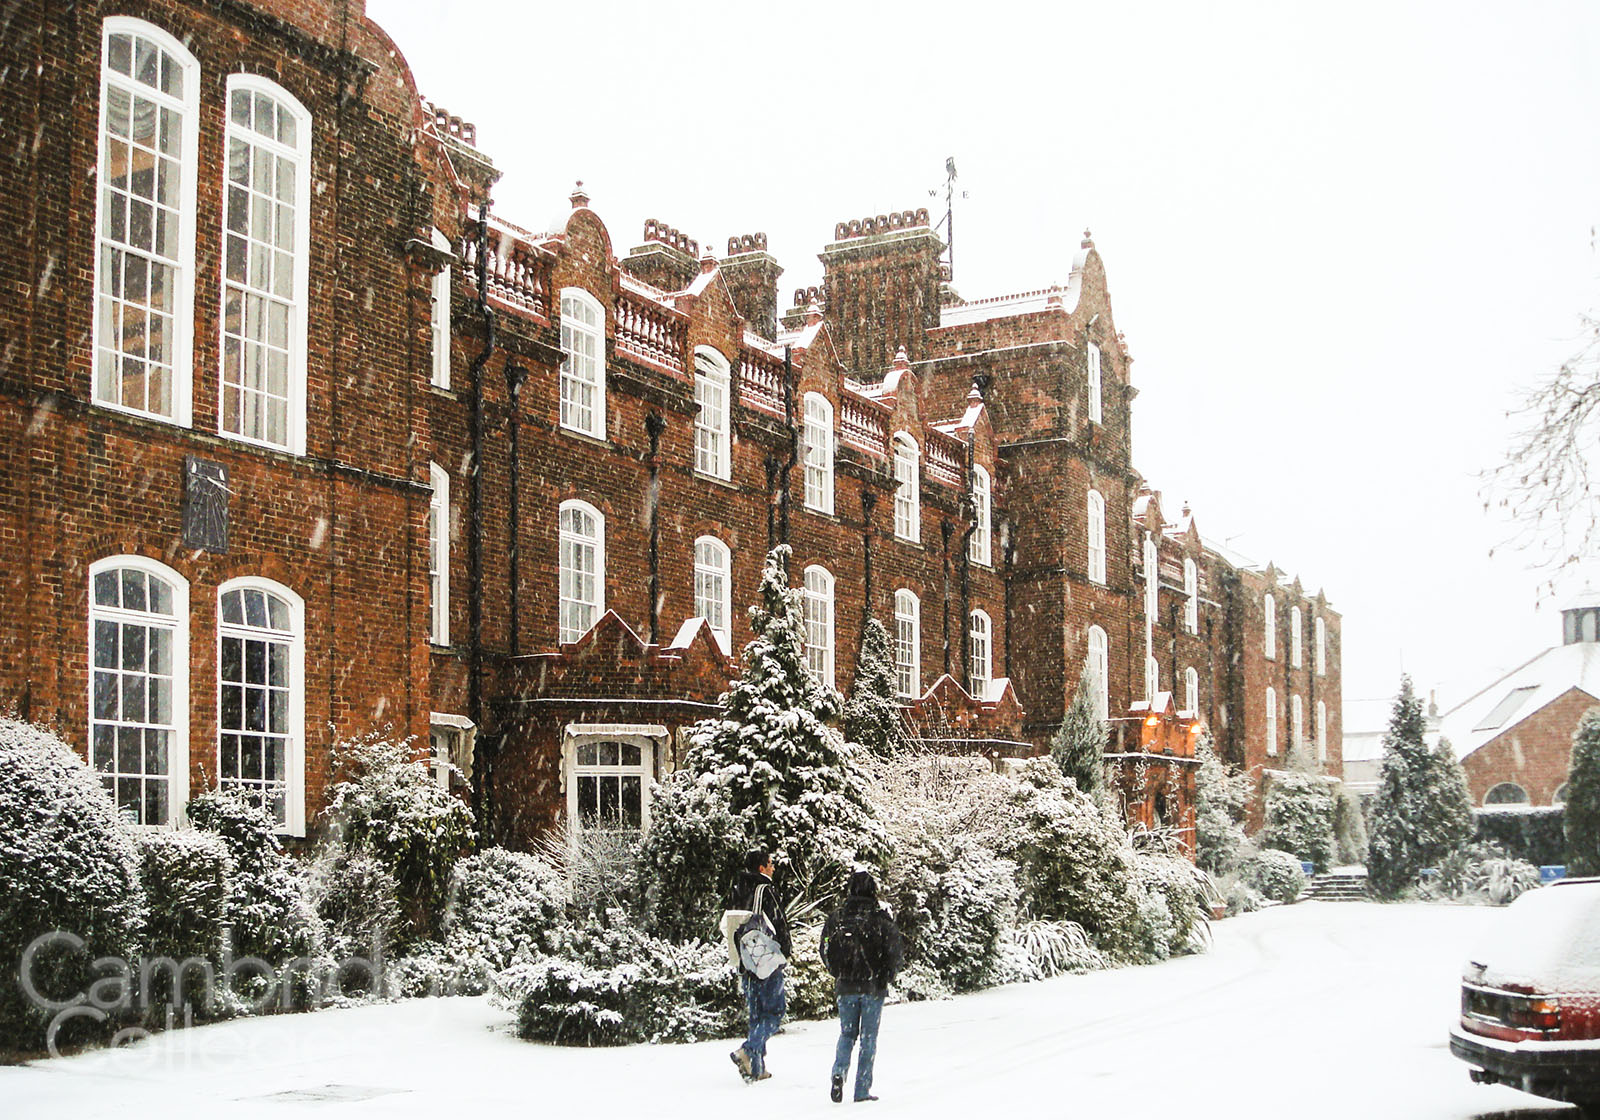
(1315, 1010)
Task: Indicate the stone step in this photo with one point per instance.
(1337, 886)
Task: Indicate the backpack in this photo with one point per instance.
(759, 951)
(847, 952)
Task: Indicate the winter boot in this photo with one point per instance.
(836, 1092)
(741, 1058)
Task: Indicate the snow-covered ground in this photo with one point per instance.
(1315, 1010)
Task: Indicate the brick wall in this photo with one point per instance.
(1535, 753)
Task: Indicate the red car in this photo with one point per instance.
(1530, 1000)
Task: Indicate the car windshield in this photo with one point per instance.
(1549, 939)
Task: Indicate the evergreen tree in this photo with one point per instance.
(1582, 815)
(789, 775)
(1079, 745)
(872, 714)
(1445, 807)
(1220, 799)
(1422, 811)
(1299, 811)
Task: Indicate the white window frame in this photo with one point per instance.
(713, 588)
(1272, 722)
(177, 624)
(1096, 411)
(1152, 677)
(1297, 721)
(1269, 628)
(1319, 630)
(713, 433)
(439, 319)
(576, 771)
(295, 638)
(1296, 628)
(1191, 596)
(1322, 731)
(450, 740)
(581, 371)
(1152, 576)
(569, 540)
(817, 608)
(1191, 690)
(182, 265)
(908, 488)
(908, 643)
(978, 547)
(439, 526)
(1097, 537)
(818, 433)
(980, 668)
(299, 253)
(1099, 662)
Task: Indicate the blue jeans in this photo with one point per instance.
(858, 1018)
(764, 1002)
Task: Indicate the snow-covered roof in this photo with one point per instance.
(640, 287)
(1520, 693)
(1054, 298)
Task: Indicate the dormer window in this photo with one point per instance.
(1580, 624)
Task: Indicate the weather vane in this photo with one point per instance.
(949, 223)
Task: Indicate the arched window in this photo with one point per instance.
(1295, 656)
(1152, 576)
(1097, 537)
(907, 493)
(819, 453)
(145, 221)
(440, 295)
(139, 685)
(583, 569)
(1098, 665)
(978, 546)
(583, 348)
(1191, 596)
(439, 554)
(261, 697)
(1272, 723)
(1095, 411)
(818, 608)
(1320, 631)
(1506, 793)
(1297, 721)
(266, 229)
(1191, 690)
(1269, 627)
(1322, 731)
(712, 437)
(1152, 677)
(713, 588)
(980, 671)
(908, 643)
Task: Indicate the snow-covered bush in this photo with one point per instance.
(357, 899)
(1349, 828)
(918, 981)
(430, 969)
(1535, 833)
(953, 898)
(1221, 799)
(66, 863)
(1276, 875)
(617, 984)
(1038, 950)
(503, 905)
(1481, 873)
(1169, 908)
(601, 869)
(186, 876)
(694, 848)
(388, 804)
(808, 988)
(1299, 811)
(1582, 815)
(871, 716)
(1240, 896)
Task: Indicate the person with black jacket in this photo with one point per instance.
(861, 948)
(763, 999)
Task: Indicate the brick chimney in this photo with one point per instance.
(751, 274)
(668, 259)
(881, 276)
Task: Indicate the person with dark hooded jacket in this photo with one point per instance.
(764, 999)
(861, 948)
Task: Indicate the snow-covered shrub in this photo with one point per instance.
(871, 716)
(186, 875)
(430, 969)
(1299, 812)
(66, 863)
(1169, 908)
(1274, 874)
(357, 899)
(1221, 799)
(388, 804)
(1349, 828)
(808, 989)
(953, 897)
(917, 982)
(1038, 950)
(601, 869)
(503, 904)
(1582, 816)
(1535, 833)
(616, 984)
(269, 914)
(1241, 897)
(694, 848)
(1481, 873)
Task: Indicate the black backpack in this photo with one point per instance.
(848, 949)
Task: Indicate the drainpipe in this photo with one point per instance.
(654, 425)
(869, 499)
(946, 529)
(480, 792)
(515, 377)
(794, 446)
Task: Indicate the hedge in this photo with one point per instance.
(1532, 833)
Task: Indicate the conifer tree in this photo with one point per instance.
(774, 755)
(872, 714)
(1422, 811)
(1220, 799)
(1581, 818)
(1079, 745)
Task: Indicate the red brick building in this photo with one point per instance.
(298, 442)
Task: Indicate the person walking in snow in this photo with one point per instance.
(763, 998)
(861, 948)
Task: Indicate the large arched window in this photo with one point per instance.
(819, 453)
(818, 607)
(583, 569)
(712, 435)
(1152, 677)
(1322, 731)
(1097, 537)
(439, 554)
(139, 685)
(1096, 413)
(713, 588)
(907, 491)
(980, 669)
(908, 643)
(261, 697)
(1320, 631)
(1191, 690)
(440, 295)
(1296, 658)
(1506, 793)
(1269, 627)
(1272, 722)
(145, 222)
(1191, 596)
(1297, 722)
(583, 349)
(1152, 576)
(982, 505)
(265, 232)
(1098, 665)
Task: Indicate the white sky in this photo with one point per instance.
(1338, 240)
